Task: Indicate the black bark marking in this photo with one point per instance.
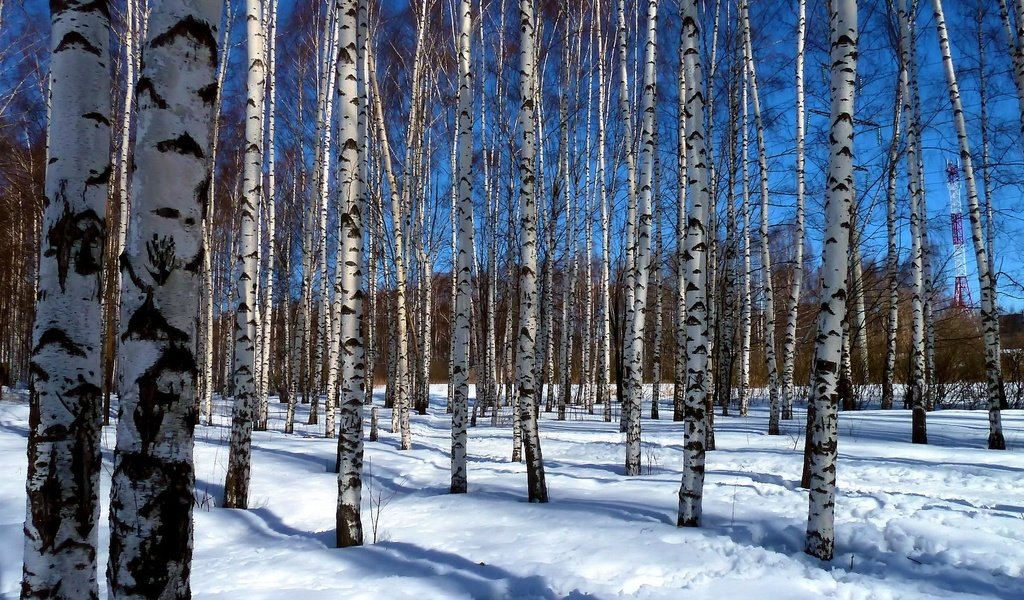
(99, 118)
(199, 33)
(101, 178)
(60, 337)
(147, 323)
(73, 38)
(145, 84)
(167, 548)
(167, 212)
(183, 144)
(194, 265)
(161, 253)
(78, 237)
(208, 94)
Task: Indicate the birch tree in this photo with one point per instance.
(635, 314)
(351, 203)
(526, 386)
(767, 287)
(989, 317)
(695, 258)
(64, 428)
(464, 259)
(914, 393)
(236, 486)
(828, 341)
(793, 300)
(265, 333)
(153, 481)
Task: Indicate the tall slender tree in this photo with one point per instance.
(351, 203)
(989, 317)
(464, 259)
(695, 256)
(828, 342)
(642, 256)
(64, 425)
(793, 300)
(526, 370)
(236, 486)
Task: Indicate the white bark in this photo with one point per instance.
(464, 259)
(635, 314)
(695, 258)
(989, 317)
(892, 255)
(914, 393)
(828, 343)
(401, 312)
(236, 486)
(64, 426)
(767, 287)
(604, 323)
(152, 484)
(526, 384)
(351, 203)
(266, 342)
(793, 301)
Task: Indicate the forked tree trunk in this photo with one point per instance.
(153, 482)
(828, 344)
(63, 480)
(636, 314)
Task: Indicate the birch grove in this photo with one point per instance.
(217, 241)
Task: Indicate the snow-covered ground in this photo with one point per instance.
(938, 521)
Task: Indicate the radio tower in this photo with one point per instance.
(961, 291)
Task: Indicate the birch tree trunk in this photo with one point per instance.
(626, 115)
(351, 202)
(236, 486)
(527, 392)
(464, 259)
(767, 287)
(892, 256)
(604, 319)
(828, 343)
(642, 257)
(695, 258)
(401, 376)
(153, 482)
(793, 301)
(206, 341)
(267, 310)
(679, 383)
(63, 479)
(989, 318)
(1015, 41)
(914, 394)
(746, 308)
(132, 28)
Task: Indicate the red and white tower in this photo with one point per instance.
(961, 291)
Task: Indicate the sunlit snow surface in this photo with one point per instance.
(938, 521)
